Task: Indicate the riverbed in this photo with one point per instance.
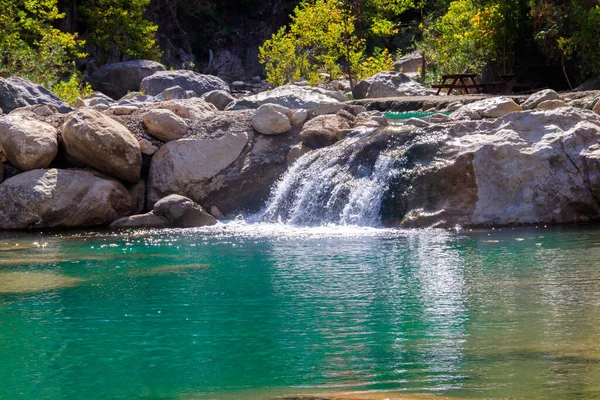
(254, 311)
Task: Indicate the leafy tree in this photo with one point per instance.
(118, 27)
(464, 39)
(320, 37)
(29, 44)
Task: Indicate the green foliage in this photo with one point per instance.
(381, 60)
(464, 39)
(30, 46)
(69, 91)
(320, 37)
(119, 27)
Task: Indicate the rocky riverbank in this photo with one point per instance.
(492, 162)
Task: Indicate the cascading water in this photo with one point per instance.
(341, 184)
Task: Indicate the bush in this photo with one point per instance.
(69, 91)
(30, 46)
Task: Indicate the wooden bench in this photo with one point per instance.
(462, 82)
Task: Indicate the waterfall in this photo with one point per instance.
(342, 184)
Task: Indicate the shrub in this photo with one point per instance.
(69, 91)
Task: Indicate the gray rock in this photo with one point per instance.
(299, 117)
(54, 198)
(590, 84)
(95, 101)
(228, 66)
(188, 80)
(28, 144)
(409, 63)
(174, 93)
(539, 97)
(141, 221)
(219, 98)
(173, 211)
(183, 212)
(290, 96)
(184, 166)
(147, 147)
(164, 125)
(323, 130)
(116, 80)
(123, 110)
(93, 139)
(493, 107)
(21, 92)
(389, 84)
(272, 119)
(551, 105)
(1, 172)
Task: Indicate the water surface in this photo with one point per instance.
(256, 311)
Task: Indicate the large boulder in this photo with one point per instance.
(271, 119)
(389, 84)
(194, 109)
(54, 198)
(410, 63)
(523, 168)
(27, 143)
(184, 166)
(323, 130)
(116, 80)
(165, 125)
(188, 80)
(494, 107)
(290, 96)
(92, 139)
(539, 97)
(21, 92)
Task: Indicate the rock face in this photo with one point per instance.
(184, 166)
(116, 80)
(93, 139)
(494, 107)
(537, 98)
(165, 125)
(389, 84)
(28, 144)
(53, 198)
(289, 96)
(271, 119)
(323, 130)
(228, 66)
(21, 92)
(524, 168)
(173, 211)
(188, 80)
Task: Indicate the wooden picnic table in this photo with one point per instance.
(458, 81)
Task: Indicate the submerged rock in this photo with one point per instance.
(32, 282)
(54, 198)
